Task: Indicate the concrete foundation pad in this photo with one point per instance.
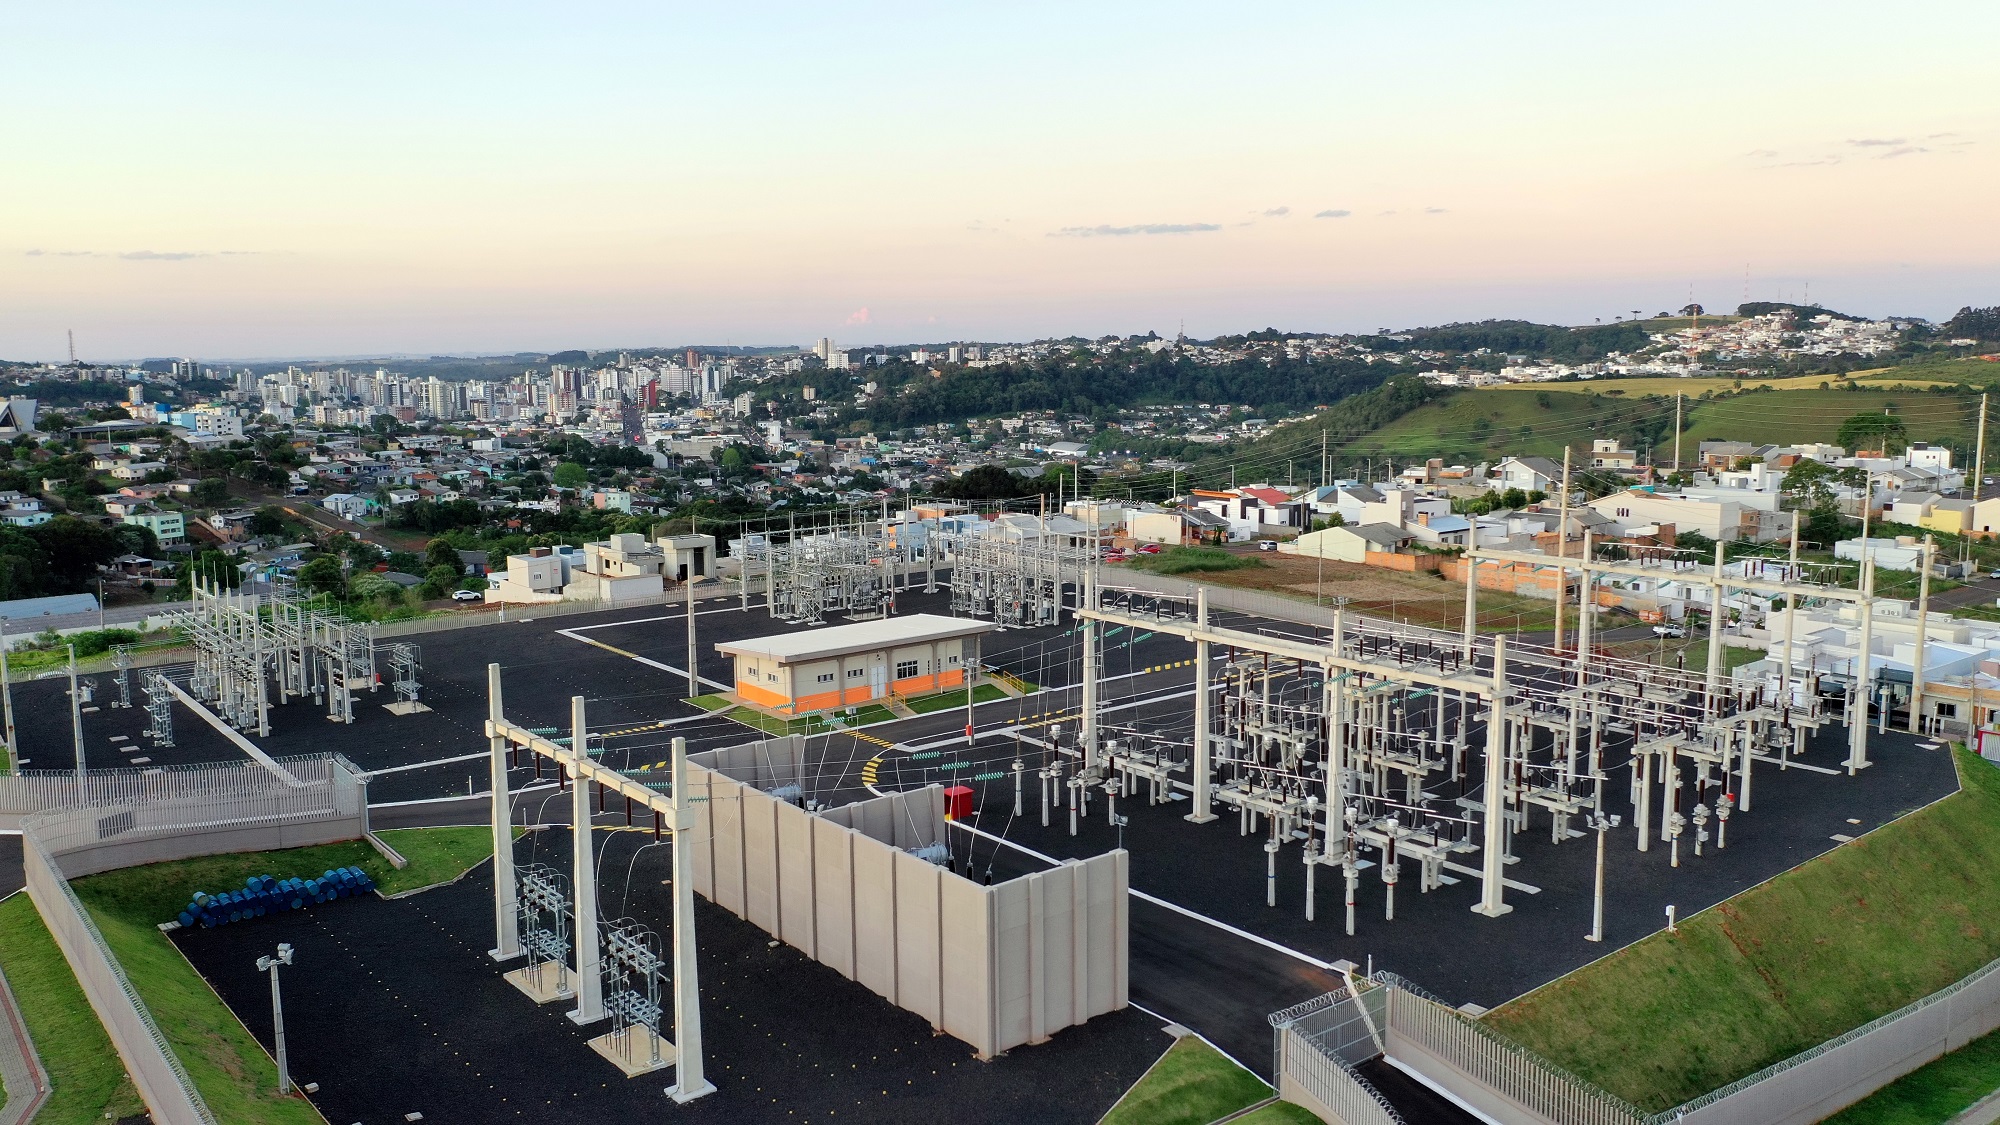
(539, 982)
(632, 1052)
(405, 707)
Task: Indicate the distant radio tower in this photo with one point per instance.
(72, 347)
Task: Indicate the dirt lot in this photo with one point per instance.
(1422, 599)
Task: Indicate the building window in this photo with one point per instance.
(953, 660)
(1947, 710)
(856, 673)
(825, 677)
(771, 676)
(905, 669)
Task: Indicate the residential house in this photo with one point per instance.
(1529, 474)
(167, 527)
(1350, 544)
(1605, 454)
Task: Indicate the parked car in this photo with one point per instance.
(467, 596)
(1670, 630)
(1267, 544)
(1150, 549)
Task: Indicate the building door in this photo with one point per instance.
(878, 680)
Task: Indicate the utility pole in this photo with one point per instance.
(1492, 860)
(271, 965)
(1677, 430)
(1562, 550)
(694, 681)
(1923, 622)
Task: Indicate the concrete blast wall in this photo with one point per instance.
(996, 966)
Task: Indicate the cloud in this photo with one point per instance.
(1106, 230)
(1433, 210)
(1762, 153)
(64, 254)
(1277, 212)
(858, 316)
(1903, 150)
(161, 255)
(1333, 214)
(1877, 142)
(1808, 163)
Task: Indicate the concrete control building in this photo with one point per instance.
(819, 669)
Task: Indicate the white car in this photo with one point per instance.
(467, 596)
(1670, 630)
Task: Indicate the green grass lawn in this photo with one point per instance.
(1281, 1113)
(234, 1074)
(1192, 1084)
(87, 1082)
(1193, 560)
(1931, 1094)
(771, 724)
(1821, 949)
(944, 701)
(711, 702)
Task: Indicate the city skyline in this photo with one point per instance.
(241, 183)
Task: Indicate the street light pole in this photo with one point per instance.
(270, 965)
(1603, 824)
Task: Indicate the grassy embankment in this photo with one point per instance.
(1192, 1084)
(1821, 949)
(235, 1075)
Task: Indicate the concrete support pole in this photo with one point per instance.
(1492, 870)
(694, 677)
(1857, 722)
(1712, 680)
(1923, 630)
(1562, 550)
(506, 907)
(1791, 627)
(7, 702)
(1204, 761)
(1586, 607)
(76, 725)
(689, 1082)
(583, 876)
(1088, 731)
(1470, 622)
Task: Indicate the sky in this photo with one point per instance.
(262, 180)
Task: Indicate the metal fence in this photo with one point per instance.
(1506, 1069)
(35, 791)
(1319, 1044)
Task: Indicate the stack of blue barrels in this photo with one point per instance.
(262, 894)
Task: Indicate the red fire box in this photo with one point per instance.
(957, 803)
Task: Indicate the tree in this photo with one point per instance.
(323, 576)
(1882, 432)
(571, 475)
(1691, 310)
(438, 581)
(267, 520)
(440, 553)
(76, 548)
(212, 492)
(368, 585)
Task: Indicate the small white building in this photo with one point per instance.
(843, 665)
